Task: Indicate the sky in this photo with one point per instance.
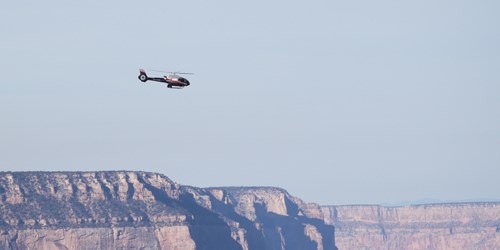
(338, 102)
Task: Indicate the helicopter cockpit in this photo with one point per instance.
(182, 79)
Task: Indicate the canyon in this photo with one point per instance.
(143, 210)
(474, 225)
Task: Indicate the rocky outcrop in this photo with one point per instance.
(284, 221)
(433, 226)
(140, 210)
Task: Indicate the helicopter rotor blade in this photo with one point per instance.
(172, 72)
(161, 71)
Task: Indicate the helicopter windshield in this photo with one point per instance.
(184, 80)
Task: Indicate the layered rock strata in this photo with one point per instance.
(433, 226)
(140, 210)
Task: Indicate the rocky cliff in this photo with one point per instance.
(139, 210)
(435, 226)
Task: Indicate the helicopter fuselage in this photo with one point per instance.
(172, 81)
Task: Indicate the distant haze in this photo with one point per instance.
(338, 102)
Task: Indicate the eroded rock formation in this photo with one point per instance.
(433, 226)
(139, 210)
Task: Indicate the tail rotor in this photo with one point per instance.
(142, 76)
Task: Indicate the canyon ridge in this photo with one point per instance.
(142, 210)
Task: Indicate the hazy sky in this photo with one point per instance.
(336, 101)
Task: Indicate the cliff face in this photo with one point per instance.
(436, 226)
(284, 221)
(134, 210)
(139, 210)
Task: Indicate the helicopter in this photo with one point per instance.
(173, 80)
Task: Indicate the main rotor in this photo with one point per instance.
(172, 72)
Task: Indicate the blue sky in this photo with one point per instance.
(336, 101)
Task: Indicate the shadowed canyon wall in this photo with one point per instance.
(140, 210)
